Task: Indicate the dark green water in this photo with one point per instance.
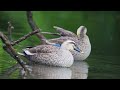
(95, 67)
(104, 67)
(103, 31)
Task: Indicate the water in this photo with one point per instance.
(95, 67)
(79, 70)
(104, 67)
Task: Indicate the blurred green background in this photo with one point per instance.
(103, 31)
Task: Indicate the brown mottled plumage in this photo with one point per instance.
(81, 39)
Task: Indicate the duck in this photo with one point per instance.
(52, 55)
(81, 39)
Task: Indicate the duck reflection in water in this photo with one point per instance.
(79, 70)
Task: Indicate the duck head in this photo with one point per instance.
(70, 45)
(81, 31)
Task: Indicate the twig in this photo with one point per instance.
(10, 27)
(10, 50)
(57, 34)
(24, 37)
(34, 26)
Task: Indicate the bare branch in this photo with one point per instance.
(24, 37)
(34, 26)
(10, 27)
(10, 50)
(8, 45)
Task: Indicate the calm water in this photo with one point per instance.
(95, 67)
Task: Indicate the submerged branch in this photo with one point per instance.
(34, 26)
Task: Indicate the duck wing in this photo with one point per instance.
(44, 49)
(64, 32)
(62, 39)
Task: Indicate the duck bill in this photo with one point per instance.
(77, 49)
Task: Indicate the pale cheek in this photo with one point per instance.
(68, 47)
(71, 47)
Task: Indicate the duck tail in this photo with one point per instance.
(20, 54)
(27, 52)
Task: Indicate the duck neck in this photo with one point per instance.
(81, 36)
(63, 46)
